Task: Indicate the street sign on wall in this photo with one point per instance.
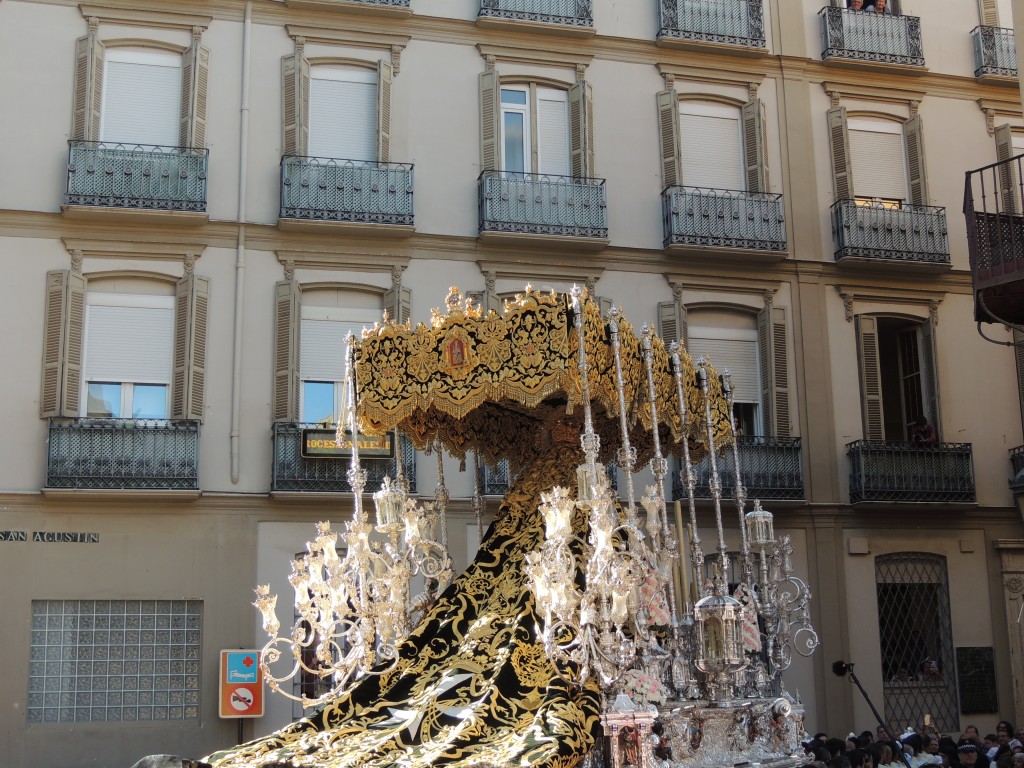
(241, 684)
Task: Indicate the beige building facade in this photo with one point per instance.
(200, 200)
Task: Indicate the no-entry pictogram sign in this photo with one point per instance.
(241, 684)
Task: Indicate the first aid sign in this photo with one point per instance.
(241, 684)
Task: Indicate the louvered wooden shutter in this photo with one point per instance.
(842, 161)
(668, 130)
(398, 303)
(929, 376)
(1018, 354)
(64, 321)
(774, 368)
(188, 379)
(490, 131)
(672, 322)
(385, 74)
(989, 13)
(287, 343)
(754, 157)
(195, 79)
(605, 305)
(88, 89)
(295, 112)
(581, 129)
(870, 378)
(1007, 187)
(913, 133)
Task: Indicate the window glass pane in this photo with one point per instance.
(318, 402)
(509, 96)
(103, 400)
(514, 138)
(149, 401)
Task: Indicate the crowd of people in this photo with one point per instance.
(871, 6)
(1002, 749)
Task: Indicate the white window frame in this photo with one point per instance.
(872, 125)
(532, 147)
(143, 301)
(525, 111)
(347, 74)
(720, 111)
(141, 57)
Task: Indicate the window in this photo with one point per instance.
(753, 346)
(129, 344)
(114, 660)
(713, 145)
(898, 382)
(878, 162)
(111, 354)
(131, 95)
(534, 129)
(341, 112)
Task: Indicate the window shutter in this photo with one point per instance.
(605, 305)
(1004, 151)
(870, 378)
(490, 97)
(672, 322)
(188, 381)
(989, 13)
(766, 357)
(295, 112)
(88, 96)
(1018, 353)
(385, 75)
(913, 132)
(581, 129)
(929, 376)
(287, 343)
(839, 140)
(754, 159)
(195, 77)
(668, 128)
(878, 161)
(778, 368)
(398, 303)
(63, 326)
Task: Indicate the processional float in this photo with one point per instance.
(583, 633)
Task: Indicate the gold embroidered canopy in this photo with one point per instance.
(496, 383)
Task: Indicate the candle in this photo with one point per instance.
(684, 557)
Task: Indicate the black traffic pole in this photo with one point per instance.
(842, 669)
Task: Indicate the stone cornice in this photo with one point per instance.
(126, 14)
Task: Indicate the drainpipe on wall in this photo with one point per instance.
(243, 153)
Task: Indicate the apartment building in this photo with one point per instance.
(200, 199)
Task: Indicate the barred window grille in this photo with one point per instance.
(114, 660)
(916, 637)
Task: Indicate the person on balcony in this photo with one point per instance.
(855, 5)
(880, 6)
(923, 431)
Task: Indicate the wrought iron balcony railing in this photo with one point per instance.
(385, 3)
(995, 51)
(123, 454)
(732, 22)
(724, 218)
(571, 13)
(1017, 463)
(294, 472)
(326, 189)
(995, 240)
(770, 468)
(878, 37)
(911, 233)
(495, 481)
(541, 204)
(908, 472)
(136, 176)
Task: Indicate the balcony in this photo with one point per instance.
(995, 52)
(399, 8)
(883, 471)
(770, 468)
(573, 17)
(734, 23)
(1017, 463)
(122, 455)
(139, 178)
(723, 219)
(874, 234)
(560, 211)
(995, 240)
(878, 38)
(295, 473)
(374, 198)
